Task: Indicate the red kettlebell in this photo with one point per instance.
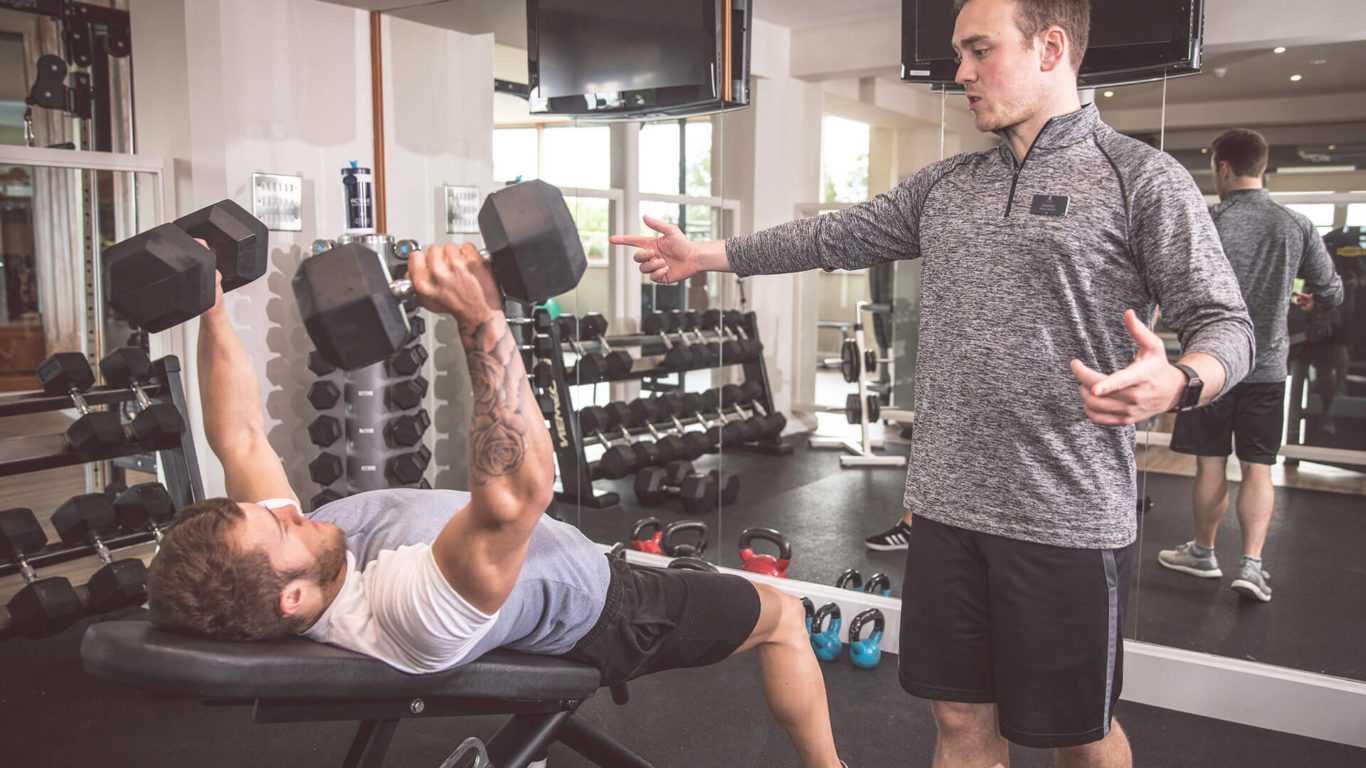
(765, 564)
(644, 541)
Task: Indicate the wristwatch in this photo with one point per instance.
(1190, 394)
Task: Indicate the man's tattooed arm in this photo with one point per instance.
(508, 438)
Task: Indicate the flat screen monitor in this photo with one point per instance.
(1130, 41)
(633, 59)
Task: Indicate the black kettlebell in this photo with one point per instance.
(670, 545)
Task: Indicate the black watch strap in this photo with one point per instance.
(1190, 394)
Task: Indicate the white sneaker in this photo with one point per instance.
(1252, 582)
(1184, 559)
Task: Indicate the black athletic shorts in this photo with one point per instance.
(657, 619)
(1251, 412)
(1031, 627)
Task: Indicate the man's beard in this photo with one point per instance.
(327, 567)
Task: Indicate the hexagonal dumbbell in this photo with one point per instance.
(88, 519)
(407, 430)
(145, 506)
(326, 469)
(156, 425)
(163, 277)
(407, 468)
(94, 432)
(406, 395)
(324, 431)
(318, 365)
(407, 361)
(43, 607)
(322, 395)
(326, 496)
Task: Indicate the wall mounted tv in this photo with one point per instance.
(1131, 42)
(637, 59)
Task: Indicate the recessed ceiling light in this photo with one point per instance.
(1204, 150)
(1295, 78)
(1108, 94)
(1318, 61)
(1278, 49)
(1332, 146)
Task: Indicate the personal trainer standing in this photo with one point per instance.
(1268, 245)
(1043, 258)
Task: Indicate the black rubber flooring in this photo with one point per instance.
(1314, 553)
(53, 714)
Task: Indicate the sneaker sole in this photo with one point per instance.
(1214, 574)
(884, 547)
(1248, 589)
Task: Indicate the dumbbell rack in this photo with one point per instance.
(363, 413)
(862, 407)
(576, 483)
(33, 453)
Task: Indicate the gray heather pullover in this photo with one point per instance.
(1269, 245)
(1026, 266)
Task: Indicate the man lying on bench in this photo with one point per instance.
(425, 580)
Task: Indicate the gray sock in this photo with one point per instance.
(1200, 551)
(1255, 562)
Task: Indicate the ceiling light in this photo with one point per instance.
(1204, 150)
(1318, 61)
(1295, 78)
(1108, 94)
(1332, 146)
(1278, 49)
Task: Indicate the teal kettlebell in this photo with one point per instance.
(879, 584)
(850, 579)
(826, 643)
(866, 652)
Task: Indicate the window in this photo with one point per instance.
(660, 173)
(516, 154)
(577, 156)
(844, 160)
(1319, 213)
(1356, 214)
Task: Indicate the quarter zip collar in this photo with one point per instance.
(1060, 131)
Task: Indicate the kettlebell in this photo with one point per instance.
(810, 609)
(826, 643)
(618, 551)
(642, 540)
(765, 564)
(878, 584)
(850, 579)
(866, 652)
(670, 545)
(690, 563)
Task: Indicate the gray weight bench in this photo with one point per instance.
(292, 680)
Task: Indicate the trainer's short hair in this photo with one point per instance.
(1032, 17)
(1244, 150)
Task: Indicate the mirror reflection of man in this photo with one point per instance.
(1268, 246)
(1043, 259)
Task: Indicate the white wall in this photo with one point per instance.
(226, 88)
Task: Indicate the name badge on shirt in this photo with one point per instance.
(1049, 205)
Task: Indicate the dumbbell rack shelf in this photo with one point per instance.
(33, 453)
(576, 483)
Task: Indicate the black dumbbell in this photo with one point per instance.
(689, 322)
(684, 538)
(678, 355)
(44, 606)
(407, 361)
(324, 431)
(144, 507)
(326, 496)
(590, 367)
(88, 519)
(322, 395)
(156, 425)
(407, 430)
(406, 395)
(593, 326)
(541, 375)
(677, 481)
(318, 365)
(755, 397)
(645, 413)
(727, 487)
(730, 349)
(326, 469)
(162, 277)
(407, 468)
(617, 460)
(647, 453)
(671, 407)
(353, 312)
(735, 321)
(69, 373)
(734, 397)
(733, 431)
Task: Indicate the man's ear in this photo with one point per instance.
(292, 597)
(1053, 45)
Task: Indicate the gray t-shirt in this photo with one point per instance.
(1026, 266)
(1270, 245)
(560, 591)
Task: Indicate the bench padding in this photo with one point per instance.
(136, 654)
